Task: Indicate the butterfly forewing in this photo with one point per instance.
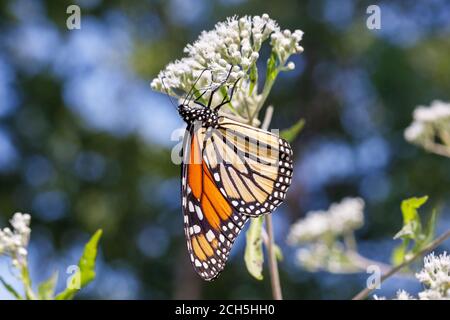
(211, 224)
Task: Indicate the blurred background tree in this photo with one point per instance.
(85, 143)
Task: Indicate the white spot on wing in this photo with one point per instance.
(199, 212)
(210, 235)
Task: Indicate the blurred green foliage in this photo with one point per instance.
(398, 75)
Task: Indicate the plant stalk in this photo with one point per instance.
(265, 93)
(437, 148)
(27, 282)
(273, 265)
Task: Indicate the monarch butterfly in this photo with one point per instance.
(230, 171)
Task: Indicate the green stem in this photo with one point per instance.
(437, 148)
(350, 242)
(265, 93)
(26, 280)
(445, 137)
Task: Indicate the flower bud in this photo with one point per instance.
(290, 66)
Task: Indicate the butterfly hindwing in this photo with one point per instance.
(251, 167)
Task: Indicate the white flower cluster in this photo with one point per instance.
(225, 54)
(339, 219)
(285, 44)
(14, 242)
(435, 276)
(428, 121)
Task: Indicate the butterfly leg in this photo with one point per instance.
(218, 87)
(224, 102)
(193, 86)
(196, 101)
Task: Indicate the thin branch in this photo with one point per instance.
(273, 266)
(362, 262)
(270, 243)
(350, 241)
(364, 293)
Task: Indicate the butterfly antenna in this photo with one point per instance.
(167, 92)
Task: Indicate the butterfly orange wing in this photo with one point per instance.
(211, 224)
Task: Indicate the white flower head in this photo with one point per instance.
(14, 242)
(286, 43)
(436, 276)
(414, 131)
(428, 123)
(314, 226)
(340, 218)
(347, 215)
(228, 53)
(438, 110)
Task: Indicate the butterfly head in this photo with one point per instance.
(208, 117)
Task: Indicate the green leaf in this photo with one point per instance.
(272, 70)
(398, 254)
(431, 227)
(86, 268)
(412, 226)
(10, 289)
(407, 231)
(253, 78)
(412, 230)
(291, 133)
(46, 289)
(253, 256)
(224, 92)
(409, 208)
(87, 261)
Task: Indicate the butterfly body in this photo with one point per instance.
(208, 117)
